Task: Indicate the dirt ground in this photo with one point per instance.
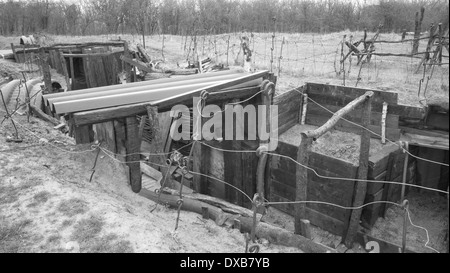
(47, 203)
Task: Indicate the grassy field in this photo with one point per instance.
(300, 58)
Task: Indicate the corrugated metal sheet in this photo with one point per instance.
(147, 91)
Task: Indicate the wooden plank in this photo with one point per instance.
(325, 222)
(371, 213)
(233, 171)
(287, 96)
(133, 154)
(351, 92)
(136, 64)
(83, 134)
(441, 143)
(372, 188)
(378, 162)
(120, 139)
(101, 115)
(389, 177)
(282, 189)
(403, 111)
(160, 124)
(301, 182)
(316, 133)
(249, 161)
(324, 165)
(215, 169)
(363, 168)
(288, 208)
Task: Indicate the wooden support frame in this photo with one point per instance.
(302, 183)
(303, 160)
(361, 187)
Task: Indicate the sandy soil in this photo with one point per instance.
(47, 203)
(345, 146)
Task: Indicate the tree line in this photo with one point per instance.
(187, 17)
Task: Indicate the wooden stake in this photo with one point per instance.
(405, 171)
(383, 123)
(305, 108)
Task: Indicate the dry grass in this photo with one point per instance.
(40, 198)
(87, 234)
(72, 207)
(12, 234)
(305, 57)
(10, 193)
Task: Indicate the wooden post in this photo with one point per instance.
(46, 71)
(64, 69)
(126, 65)
(301, 174)
(417, 29)
(15, 53)
(72, 73)
(133, 147)
(405, 171)
(361, 187)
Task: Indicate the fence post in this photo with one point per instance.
(417, 29)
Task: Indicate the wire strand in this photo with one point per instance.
(356, 124)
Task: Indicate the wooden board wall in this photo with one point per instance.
(237, 169)
(289, 105)
(283, 186)
(334, 97)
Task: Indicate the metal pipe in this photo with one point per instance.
(130, 98)
(150, 85)
(121, 98)
(146, 83)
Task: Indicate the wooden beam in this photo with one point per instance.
(137, 64)
(274, 234)
(361, 187)
(86, 55)
(133, 146)
(350, 93)
(38, 112)
(338, 115)
(302, 183)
